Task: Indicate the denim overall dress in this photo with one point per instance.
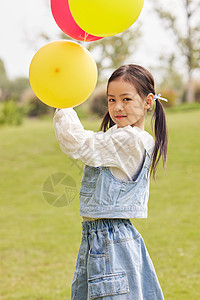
(113, 262)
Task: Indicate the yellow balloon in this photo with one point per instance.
(105, 17)
(63, 74)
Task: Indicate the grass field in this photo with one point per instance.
(39, 242)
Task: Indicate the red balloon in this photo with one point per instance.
(63, 17)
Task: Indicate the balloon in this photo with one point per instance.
(63, 17)
(105, 17)
(63, 74)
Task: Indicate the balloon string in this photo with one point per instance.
(85, 37)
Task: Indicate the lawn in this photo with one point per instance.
(40, 242)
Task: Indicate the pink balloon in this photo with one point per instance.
(63, 17)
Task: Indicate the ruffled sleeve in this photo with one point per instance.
(121, 148)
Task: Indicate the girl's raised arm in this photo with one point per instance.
(119, 148)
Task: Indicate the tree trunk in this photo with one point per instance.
(190, 90)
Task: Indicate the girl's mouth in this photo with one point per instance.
(120, 117)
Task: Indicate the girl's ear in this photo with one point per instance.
(149, 101)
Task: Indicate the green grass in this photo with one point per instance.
(39, 242)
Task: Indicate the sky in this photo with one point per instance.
(22, 22)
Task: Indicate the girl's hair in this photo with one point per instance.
(143, 82)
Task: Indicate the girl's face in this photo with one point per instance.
(125, 105)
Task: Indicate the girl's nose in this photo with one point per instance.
(118, 106)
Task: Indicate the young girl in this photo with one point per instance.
(113, 262)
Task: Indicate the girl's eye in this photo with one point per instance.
(126, 99)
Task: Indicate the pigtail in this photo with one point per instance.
(107, 122)
(161, 139)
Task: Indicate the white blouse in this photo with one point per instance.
(121, 149)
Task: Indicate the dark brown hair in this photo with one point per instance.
(143, 82)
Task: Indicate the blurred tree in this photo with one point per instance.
(19, 85)
(187, 39)
(11, 89)
(111, 52)
(3, 74)
(11, 113)
(4, 81)
(32, 105)
(171, 85)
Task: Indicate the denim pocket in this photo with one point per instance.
(96, 264)
(87, 189)
(109, 285)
